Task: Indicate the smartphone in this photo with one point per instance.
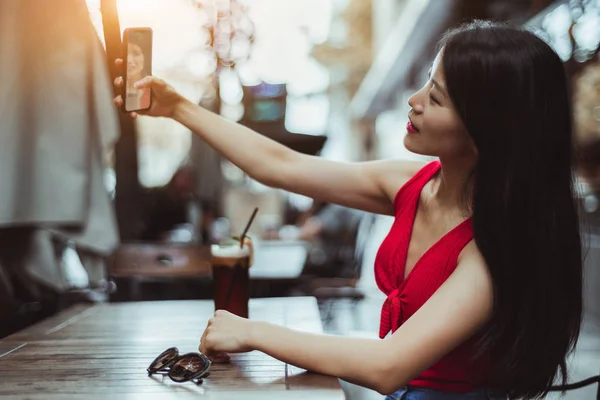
(137, 64)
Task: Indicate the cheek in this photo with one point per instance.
(441, 125)
(447, 133)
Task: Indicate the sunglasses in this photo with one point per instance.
(184, 368)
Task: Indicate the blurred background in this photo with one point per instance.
(324, 77)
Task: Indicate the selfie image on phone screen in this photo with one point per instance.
(137, 44)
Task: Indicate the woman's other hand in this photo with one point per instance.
(227, 333)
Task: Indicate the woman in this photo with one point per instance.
(137, 98)
(482, 266)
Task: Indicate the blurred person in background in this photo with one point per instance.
(177, 206)
(482, 266)
(169, 206)
(331, 230)
(57, 125)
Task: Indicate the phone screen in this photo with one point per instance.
(137, 43)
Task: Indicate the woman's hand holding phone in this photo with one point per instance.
(165, 99)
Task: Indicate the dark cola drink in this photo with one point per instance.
(231, 281)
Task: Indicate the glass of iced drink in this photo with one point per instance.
(231, 281)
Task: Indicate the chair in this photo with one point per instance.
(577, 385)
(344, 287)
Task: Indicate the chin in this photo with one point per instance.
(413, 146)
(409, 143)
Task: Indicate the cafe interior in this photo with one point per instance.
(107, 244)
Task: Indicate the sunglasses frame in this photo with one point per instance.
(166, 367)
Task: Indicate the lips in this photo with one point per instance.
(410, 128)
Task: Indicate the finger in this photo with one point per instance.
(118, 101)
(118, 82)
(149, 82)
(202, 348)
(145, 82)
(118, 62)
(133, 115)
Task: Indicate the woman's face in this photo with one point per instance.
(435, 128)
(135, 60)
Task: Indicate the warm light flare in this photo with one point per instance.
(284, 32)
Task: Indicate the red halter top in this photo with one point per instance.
(456, 371)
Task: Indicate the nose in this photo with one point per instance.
(415, 102)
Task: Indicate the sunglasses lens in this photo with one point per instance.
(187, 367)
(163, 358)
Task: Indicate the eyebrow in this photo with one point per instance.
(439, 87)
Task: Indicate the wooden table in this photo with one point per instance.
(102, 352)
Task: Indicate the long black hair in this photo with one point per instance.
(510, 90)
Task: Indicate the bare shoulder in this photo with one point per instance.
(472, 263)
(393, 174)
(471, 253)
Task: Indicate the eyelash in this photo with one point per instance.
(433, 99)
